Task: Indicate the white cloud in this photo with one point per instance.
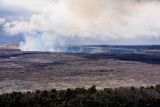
(89, 18)
(34, 5)
(2, 20)
(96, 19)
(36, 24)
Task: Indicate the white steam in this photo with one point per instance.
(41, 42)
(100, 20)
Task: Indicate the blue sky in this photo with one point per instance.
(80, 22)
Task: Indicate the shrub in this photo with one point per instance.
(92, 89)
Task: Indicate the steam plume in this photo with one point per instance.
(101, 20)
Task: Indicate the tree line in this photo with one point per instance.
(81, 97)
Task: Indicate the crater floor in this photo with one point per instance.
(28, 71)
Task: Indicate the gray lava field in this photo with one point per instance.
(79, 66)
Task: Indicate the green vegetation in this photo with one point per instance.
(81, 97)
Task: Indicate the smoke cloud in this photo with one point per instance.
(103, 20)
